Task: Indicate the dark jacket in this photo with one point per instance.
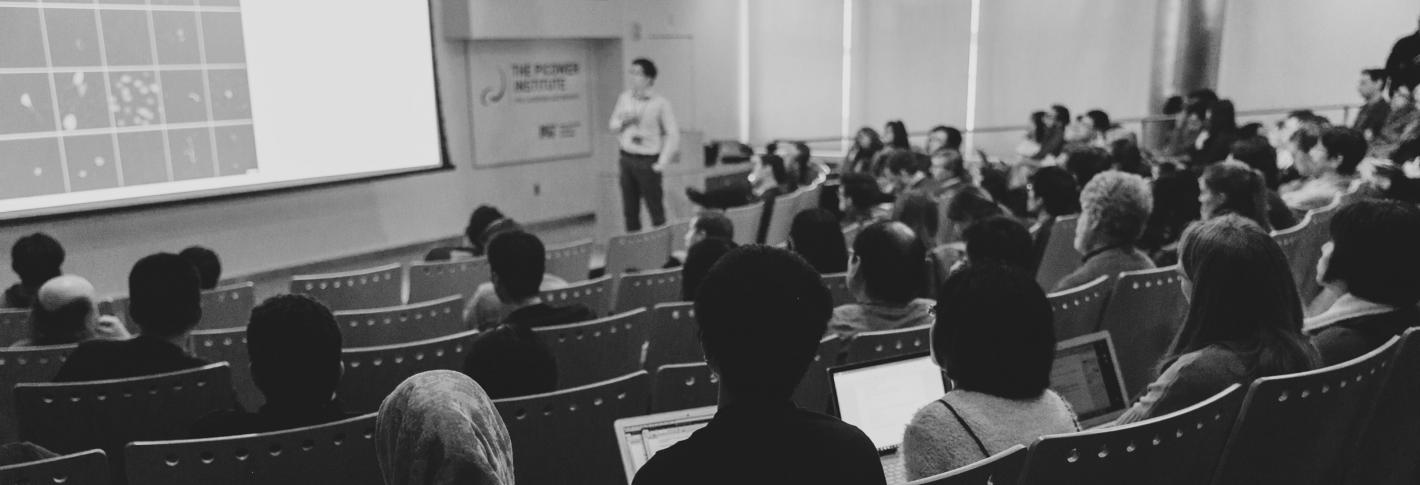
(19, 296)
(545, 315)
(1351, 338)
(1105, 262)
(1372, 116)
(117, 359)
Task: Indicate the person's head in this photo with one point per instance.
(994, 332)
(774, 164)
(36, 258)
(1222, 117)
(887, 264)
(1241, 296)
(903, 165)
(1231, 187)
(1000, 240)
(1373, 252)
(1371, 84)
(1084, 161)
(164, 295)
(921, 213)
(1053, 190)
(209, 267)
(1201, 97)
(971, 204)
(1037, 125)
(948, 165)
(1340, 149)
(699, 258)
(1096, 120)
(478, 223)
(1057, 116)
(1173, 105)
(943, 136)
(1125, 155)
(709, 224)
(64, 311)
(1114, 207)
(440, 426)
(816, 235)
(868, 139)
(294, 345)
(859, 192)
(1402, 99)
(1257, 153)
(1301, 139)
(517, 261)
(642, 74)
(895, 135)
(761, 313)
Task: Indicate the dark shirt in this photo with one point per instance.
(1052, 143)
(771, 444)
(511, 361)
(1372, 116)
(1278, 214)
(271, 417)
(1215, 149)
(1352, 338)
(19, 296)
(1403, 64)
(1107, 261)
(117, 359)
(544, 315)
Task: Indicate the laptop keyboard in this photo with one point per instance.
(894, 470)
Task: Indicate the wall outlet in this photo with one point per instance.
(537, 189)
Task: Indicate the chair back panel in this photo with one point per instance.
(377, 287)
(439, 279)
(809, 198)
(782, 210)
(340, 452)
(837, 284)
(673, 336)
(401, 324)
(14, 326)
(598, 350)
(678, 230)
(570, 261)
(647, 289)
(29, 364)
(594, 294)
(812, 393)
(1000, 469)
(746, 222)
(1387, 449)
(1060, 258)
(566, 436)
(642, 251)
(684, 386)
(1293, 241)
(868, 346)
(1078, 310)
(83, 468)
(1314, 236)
(230, 346)
(1144, 313)
(227, 307)
(372, 372)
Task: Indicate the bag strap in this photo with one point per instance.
(966, 427)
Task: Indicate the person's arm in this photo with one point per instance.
(670, 131)
(618, 121)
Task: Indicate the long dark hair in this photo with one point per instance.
(782, 177)
(1037, 126)
(899, 134)
(1222, 118)
(1243, 189)
(1243, 298)
(816, 235)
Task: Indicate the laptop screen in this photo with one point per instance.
(880, 398)
(655, 433)
(1086, 375)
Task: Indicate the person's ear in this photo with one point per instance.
(1323, 264)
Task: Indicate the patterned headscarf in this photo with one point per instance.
(439, 427)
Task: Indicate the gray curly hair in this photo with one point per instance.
(1119, 203)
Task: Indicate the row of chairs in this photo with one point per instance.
(768, 222)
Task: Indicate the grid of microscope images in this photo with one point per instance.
(98, 94)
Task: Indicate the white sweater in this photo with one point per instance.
(935, 441)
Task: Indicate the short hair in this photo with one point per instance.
(1173, 105)
(698, 260)
(1119, 203)
(1099, 118)
(891, 261)
(294, 345)
(817, 237)
(164, 295)
(511, 361)
(994, 332)
(955, 164)
(1308, 133)
(1374, 251)
(478, 222)
(519, 260)
(1062, 114)
(1347, 143)
(1000, 240)
(714, 224)
(954, 137)
(1243, 189)
(972, 203)
(36, 258)
(862, 190)
(209, 267)
(761, 313)
(1375, 75)
(904, 161)
(647, 67)
(1058, 189)
(1257, 153)
(1085, 161)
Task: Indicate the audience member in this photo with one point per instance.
(1084, 162)
(209, 267)
(1403, 63)
(1231, 187)
(757, 434)
(1051, 193)
(709, 225)
(909, 175)
(1333, 169)
(1400, 124)
(894, 140)
(994, 336)
(1115, 207)
(1100, 131)
(699, 259)
(487, 307)
(862, 201)
(949, 171)
(859, 159)
(64, 312)
(1260, 156)
(799, 161)
(815, 235)
(440, 428)
(35, 258)
(1125, 156)
(1244, 318)
(968, 205)
(1175, 205)
(1000, 240)
(485, 222)
(1372, 115)
(165, 303)
(517, 262)
(885, 275)
(769, 178)
(944, 138)
(1054, 138)
(923, 215)
(1372, 261)
(293, 344)
(1220, 131)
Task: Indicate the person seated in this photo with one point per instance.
(1373, 263)
(485, 222)
(995, 338)
(1330, 169)
(770, 178)
(1084, 162)
(1000, 240)
(64, 313)
(517, 262)
(1244, 318)
(861, 201)
(859, 159)
(909, 175)
(209, 267)
(1258, 154)
(1175, 194)
(165, 303)
(1231, 187)
(814, 234)
(35, 258)
(698, 261)
(968, 205)
(709, 224)
(439, 427)
(1372, 115)
(486, 308)
(761, 312)
(1400, 124)
(293, 345)
(1115, 207)
(920, 213)
(1220, 130)
(802, 167)
(885, 276)
(948, 169)
(1051, 193)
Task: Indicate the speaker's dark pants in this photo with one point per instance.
(638, 182)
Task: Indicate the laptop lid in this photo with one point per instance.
(1086, 373)
(880, 397)
(640, 437)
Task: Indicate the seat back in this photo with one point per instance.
(571, 261)
(401, 324)
(376, 287)
(1387, 448)
(812, 393)
(1293, 428)
(1314, 236)
(1144, 313)
(594, 294)
(647, 289)
(433, 280)
(14, 325)
(1000, 469)
(878, 345)
(837, 284)
(684, 386)
(781, 215)
(641, 251)
(83, 468)
(30, 364)
(598, 350)
(1060, 258)
(566, 436)
(227, 307)
(1078, 310)
(372, 372)
(673, 336)
(230, 346)
(1179, 448)
(678, 230)
(746, 222)
(1301, 256)
(809, 198)
(68, 417)
(339, 452)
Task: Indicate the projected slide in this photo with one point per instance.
(113, 102)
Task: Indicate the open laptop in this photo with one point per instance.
(880, 397)
(642, 436)
(1086, 374)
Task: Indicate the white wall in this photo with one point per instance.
(795, 69)
(910, 62)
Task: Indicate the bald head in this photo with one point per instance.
(63, 290)
(889, 262)
(64, 311)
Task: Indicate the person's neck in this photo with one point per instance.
(1099, 248)
(641, 93)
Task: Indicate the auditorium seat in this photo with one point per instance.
(684, 386)
(595, 294)
(1060, 258)
(438, 279)
(30, 364)
(1294, 428)
(809, 198)
(227, 306)
(746, 222)
(1145, 311)
(1388, 449)
(678, 230)
(1000, 469)
(1314, 237)
(673, 336)
(82, 468)
(641, 251)
(376, 287)
(230, 346)
(781, 213)
(14, 326)
(1179, 448)
(341, 452)
(570, 261)
(812, 393)
(850, 233)
(837, 284)
(868, 346)
(401, 324)
(372, 372)
(1078, 310)
(566, 436)
(647, 289)
(597, 350)
(1301, 257)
